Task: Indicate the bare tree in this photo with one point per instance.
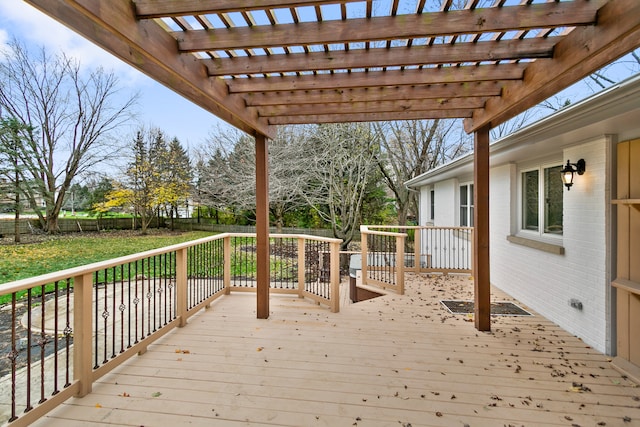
(514, 125)
(610, 74)
(410, 148)
(71, 117)
(339, 160)
(227, 172)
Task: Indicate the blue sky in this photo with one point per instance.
(158, 106)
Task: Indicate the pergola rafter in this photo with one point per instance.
(260, 63)
(436, 24)
(391, 57)
(388, 93)
(379, 78)
(231, 56)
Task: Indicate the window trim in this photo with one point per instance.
(539, 235)
(470, 207)
(432, 204)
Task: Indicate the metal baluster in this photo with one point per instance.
(29, 304)
(136, 301)
(152, 291)
(95, 331)
(165, 276)
(122, 307)
(56, 288)
(113, 310)
(67, 334)
(13, 356)
(142, 298)
(105, 313)
(42, 342)
(148, 296)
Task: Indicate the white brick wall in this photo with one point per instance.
(446, 203)
(544, 281)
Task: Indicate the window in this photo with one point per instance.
(544, 181)
(530, 187)
(466, 205)
(432, 201)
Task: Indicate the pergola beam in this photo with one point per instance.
(371, 117)
(149, 48)
(389, 93)
(160, 8)
(373, 107)
(392, 57)
(583, 51)
(436, 24)
(380, 78)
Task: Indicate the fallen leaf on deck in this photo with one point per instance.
(156, 394)
(98, 405)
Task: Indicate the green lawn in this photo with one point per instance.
(72, 250)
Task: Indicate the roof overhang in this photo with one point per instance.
(612, 111)
(260, 63)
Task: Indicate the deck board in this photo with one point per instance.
(390, 361)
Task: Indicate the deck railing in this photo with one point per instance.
(423, 249)
(71, 327)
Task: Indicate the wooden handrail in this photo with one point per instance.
(448, 251)
(84, 371)
(30, 282)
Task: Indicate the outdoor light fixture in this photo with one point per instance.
(571, 168)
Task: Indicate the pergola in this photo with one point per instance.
(261, 63)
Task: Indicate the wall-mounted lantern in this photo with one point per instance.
(570, 169)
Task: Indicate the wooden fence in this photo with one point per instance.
(69, 225)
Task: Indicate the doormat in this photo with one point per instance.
(499, 308)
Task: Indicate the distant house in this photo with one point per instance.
(560, 251)
(8, 197)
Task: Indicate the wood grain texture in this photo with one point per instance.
(392, 360)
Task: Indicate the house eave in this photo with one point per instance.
(602, 113)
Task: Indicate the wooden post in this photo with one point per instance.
(82, 333)
(301, 266)
(364, 250)
(262, 226)
(181, 287)
(417, 249)
(335, 276)
(227, 265)
(481, 266)
(400, 263)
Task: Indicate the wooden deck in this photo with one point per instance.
(390, 361)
